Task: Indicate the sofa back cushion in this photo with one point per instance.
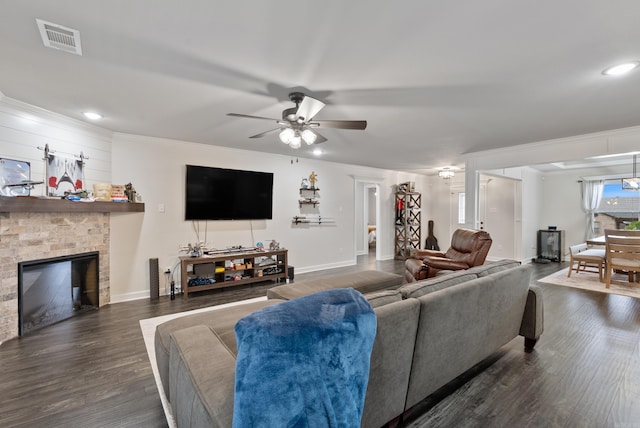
(493, 267)
(381, 298)
(420, 288)
(462, 325)
(367, 281)
(390, 362)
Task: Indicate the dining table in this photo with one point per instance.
(598, 240)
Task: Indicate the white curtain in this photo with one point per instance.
(591, 197)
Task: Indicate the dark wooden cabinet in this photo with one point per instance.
(231, 268)
(550, 245)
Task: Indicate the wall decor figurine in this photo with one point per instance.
(313, 179)
(304, 184)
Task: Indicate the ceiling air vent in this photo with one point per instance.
(58, 37)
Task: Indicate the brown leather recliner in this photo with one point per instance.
(468, 248)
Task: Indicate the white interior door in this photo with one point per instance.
(500, 205)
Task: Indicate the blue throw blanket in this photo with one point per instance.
(304, 362)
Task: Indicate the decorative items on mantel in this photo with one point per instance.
(64, 188)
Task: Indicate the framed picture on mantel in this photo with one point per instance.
(15, 177)
(63, 175)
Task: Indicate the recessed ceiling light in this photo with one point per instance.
(92, 115)
(317, 151)
(620, 69)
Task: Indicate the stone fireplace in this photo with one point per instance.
(27, 236)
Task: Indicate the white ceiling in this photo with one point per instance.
(434, 80)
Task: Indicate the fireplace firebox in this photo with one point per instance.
(54, 289)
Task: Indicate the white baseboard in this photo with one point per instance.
(326, 266)
(127, 297)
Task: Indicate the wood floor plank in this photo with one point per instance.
(93, 370)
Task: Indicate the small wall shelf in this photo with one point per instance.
(312, 220)
(308, 200)
(309, 189)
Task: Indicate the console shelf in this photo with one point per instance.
(213, 271)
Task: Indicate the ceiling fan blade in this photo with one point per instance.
(321, 138)
(340, 124)
(252, 117)
(262, 134)
(308, 108)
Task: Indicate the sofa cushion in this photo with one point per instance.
(221, 321)
(202, 378)
(381, 298)
(420, 288)
(391, 362)
(365, 282)
(493, 267)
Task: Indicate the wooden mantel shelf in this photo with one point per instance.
(42, 205)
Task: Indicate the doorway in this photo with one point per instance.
(369, 230)
(500, 214)
(370, 218)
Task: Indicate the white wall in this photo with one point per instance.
(24, 128)
(533, 201)
(156, 168)
(563, 203)
(439, 203)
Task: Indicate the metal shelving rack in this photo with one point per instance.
(407, 221)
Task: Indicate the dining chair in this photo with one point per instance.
(586, 259)
(623, 254)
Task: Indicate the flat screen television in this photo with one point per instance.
(228, 194)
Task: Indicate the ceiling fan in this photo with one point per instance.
(297, 124)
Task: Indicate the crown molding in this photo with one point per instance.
(53, 119)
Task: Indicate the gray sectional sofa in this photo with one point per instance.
(429, 332)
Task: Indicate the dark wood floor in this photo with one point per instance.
(93, 370)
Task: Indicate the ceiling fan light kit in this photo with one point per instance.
(296, 123)
(446, 173)
(286, 135)
(620, 69)
(632, 183)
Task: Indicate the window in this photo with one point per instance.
(461, 208)
(618, 207)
